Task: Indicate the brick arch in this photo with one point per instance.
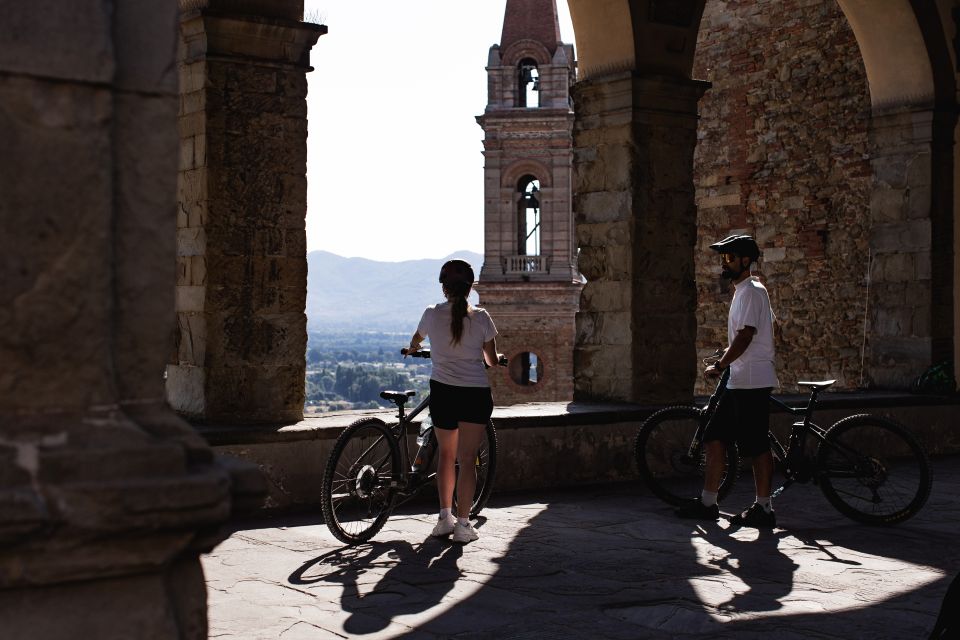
(521, 49)
(520, 168)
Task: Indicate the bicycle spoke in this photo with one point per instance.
(671, 460)
(360, 481)
(873, 470)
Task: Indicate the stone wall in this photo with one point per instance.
(548, 445)
(783, 155)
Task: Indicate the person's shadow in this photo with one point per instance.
(759, 563)
(417, 578)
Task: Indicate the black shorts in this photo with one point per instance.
(743, 416)
(451, 405)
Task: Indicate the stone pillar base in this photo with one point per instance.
(169, 603)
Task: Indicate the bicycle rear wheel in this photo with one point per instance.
(486, 466)
(873, 470)
(665, 461)
(360, 481)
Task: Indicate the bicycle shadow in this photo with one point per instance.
(416, 579)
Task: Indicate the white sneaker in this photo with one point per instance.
(464, 533)
(443, 527)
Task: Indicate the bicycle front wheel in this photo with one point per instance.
(360, 481)
(485, 465)
(873, 470)
(668, 461)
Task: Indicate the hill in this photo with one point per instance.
(367, 295)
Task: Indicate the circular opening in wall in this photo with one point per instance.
(526, 369)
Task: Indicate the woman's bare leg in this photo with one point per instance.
(446, 465)
(471, 437)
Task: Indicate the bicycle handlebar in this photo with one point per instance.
(714, 357)
(425, 353)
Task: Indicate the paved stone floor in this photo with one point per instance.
(600, 562)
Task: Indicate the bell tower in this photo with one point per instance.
(529, 281)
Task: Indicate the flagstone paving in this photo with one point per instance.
(598, 562)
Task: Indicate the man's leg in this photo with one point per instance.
(705, 507)
(753, 410)
(716, 452)
(763, 474)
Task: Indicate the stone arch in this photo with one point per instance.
(636, 57)
(894, 53)
(912, 91)
(620, 35)
(522, 49)
(516, 170)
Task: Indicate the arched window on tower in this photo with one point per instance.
(528, 218)
(529, 85)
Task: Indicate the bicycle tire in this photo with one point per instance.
(663, 460)
(886, 446)
(360, 480)
(486, 467)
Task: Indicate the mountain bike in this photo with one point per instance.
(871, 469)
(371, 471)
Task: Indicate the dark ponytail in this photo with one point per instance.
(458, 310)
(457, 279)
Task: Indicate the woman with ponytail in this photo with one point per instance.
(462, 338)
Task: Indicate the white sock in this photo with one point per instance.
(766, 503)
(708, 498)
(463, 522)
(446, 513)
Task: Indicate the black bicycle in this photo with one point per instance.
(871, 469)
(370, 471)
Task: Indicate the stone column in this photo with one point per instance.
(106, 497)
(634, 138)
(241, 244)
(911, 276)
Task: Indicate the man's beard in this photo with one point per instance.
(729, 274)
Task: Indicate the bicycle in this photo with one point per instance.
(370, 471)
(871, 469)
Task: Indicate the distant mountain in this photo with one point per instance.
(361, 294)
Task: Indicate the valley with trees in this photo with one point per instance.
(360, 313)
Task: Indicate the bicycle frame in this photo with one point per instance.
(792, 456)
(412, 467)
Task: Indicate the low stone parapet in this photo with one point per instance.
(550, 444)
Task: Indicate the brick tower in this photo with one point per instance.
(529, 281)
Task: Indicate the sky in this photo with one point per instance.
(394, 162)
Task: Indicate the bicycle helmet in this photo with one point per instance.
(741, 245)
(456, 271)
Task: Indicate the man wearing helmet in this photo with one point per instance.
(742, 415)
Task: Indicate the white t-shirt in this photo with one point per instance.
(458, 364)
(754, 369)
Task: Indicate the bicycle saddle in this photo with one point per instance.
(400, 397)
(823, 384)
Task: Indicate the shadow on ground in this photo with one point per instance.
(612, 562)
